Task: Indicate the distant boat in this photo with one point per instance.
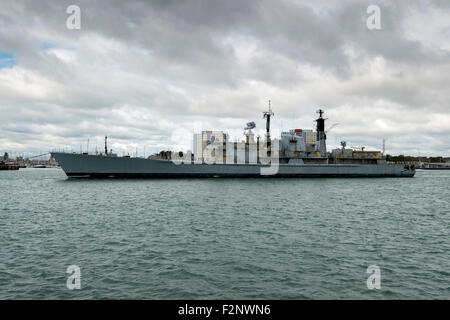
(8, 166)
(40, 166)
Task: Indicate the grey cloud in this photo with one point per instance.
(144, 69)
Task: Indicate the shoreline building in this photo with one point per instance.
(204, 139)
(298, 140)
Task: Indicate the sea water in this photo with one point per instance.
(267, 238)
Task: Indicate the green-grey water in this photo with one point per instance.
(224, 238)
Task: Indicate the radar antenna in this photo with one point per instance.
(320, 112)
(250, 125)
(331, 127)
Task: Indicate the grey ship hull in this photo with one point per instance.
(94, 166)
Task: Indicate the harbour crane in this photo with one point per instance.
(40, 155)
(331, 127)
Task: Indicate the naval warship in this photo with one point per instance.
(297, 153)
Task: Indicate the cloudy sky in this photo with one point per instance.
(151, 73)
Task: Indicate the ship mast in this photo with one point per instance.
(321, 135)
(267, 115)
(106, 145)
